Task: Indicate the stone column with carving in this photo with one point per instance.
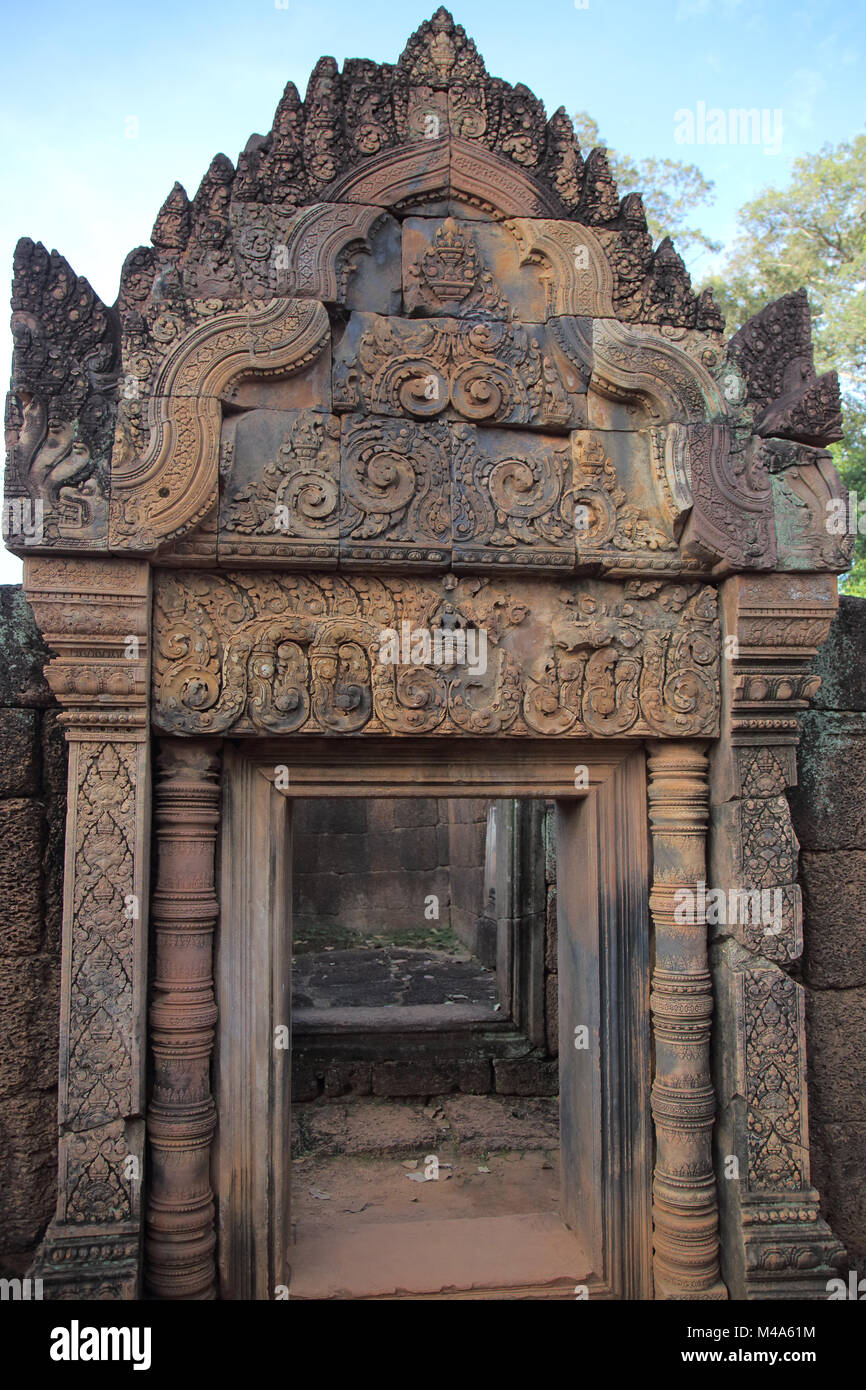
(776, 1244)
(685, 1211)
(95, 616)
(180, 1241)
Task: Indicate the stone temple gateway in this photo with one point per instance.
(413, 365)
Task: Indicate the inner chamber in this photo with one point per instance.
(425, 1119)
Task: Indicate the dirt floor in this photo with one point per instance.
(455, 1198)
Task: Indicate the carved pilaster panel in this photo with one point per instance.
(685, 1209)
(180, 1241)
(95, 615)
(778, 1246)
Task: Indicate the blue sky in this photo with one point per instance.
(199, 78)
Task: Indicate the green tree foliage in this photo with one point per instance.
(671, 190)
(812, 233)
(850, 459)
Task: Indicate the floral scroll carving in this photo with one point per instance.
(173, 482)
(413, 365)
(488, 371)
(273, 654)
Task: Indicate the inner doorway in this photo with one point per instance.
(602, 978)
(425, 1082)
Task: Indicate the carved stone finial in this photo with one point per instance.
(271, 168)
(440, 53)
(208, 267)
(670, 299)
(172, 225)
(325, 152)
(61, 412)
(774, 352)
(600, 201)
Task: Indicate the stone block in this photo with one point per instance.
(622, 520)
(513, 374)
(512, 500)
(416, 850)
(382, 813)
(454, 267)
(828, 805)
(416, 810)
(281, 491)
(29, 1023)
(493, 1123)
(18, 765)
(837, 1171)
(834, 893)
(368, 1126)
(20, 874)
(836, 1051)
(475, 1078)
(841, 661)
(320, 816)
(551, 1014)
(28, 1162)
(22, 652)
(306, 1079)
(528, 1076)
(416, 1078)
(348, 1078)
(551, 947)
(395, 491)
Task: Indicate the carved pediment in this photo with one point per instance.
(413, 243)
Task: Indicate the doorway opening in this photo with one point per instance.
(425, 1075)
(352, 1196)
(414, 915)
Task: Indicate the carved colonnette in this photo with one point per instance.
(181, 1118)
(685, 1209)
(776, 1244)
(95, 616)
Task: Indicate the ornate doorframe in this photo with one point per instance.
(603, 934)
